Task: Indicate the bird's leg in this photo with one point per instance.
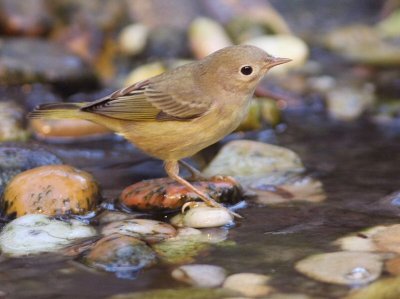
(194, 173)
(172, 169)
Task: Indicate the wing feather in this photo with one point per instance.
(151, 100)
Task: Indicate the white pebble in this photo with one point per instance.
(133, 38)
(204, 276)
(201, 217)
(35, 233)
(248, 284)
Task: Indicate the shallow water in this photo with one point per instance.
(357, 163)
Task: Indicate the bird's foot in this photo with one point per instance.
(209, 202)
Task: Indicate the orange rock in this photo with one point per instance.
(66, 128)
(393, 266)
(164, 193)
(50, 190)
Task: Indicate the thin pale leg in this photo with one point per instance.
(194, 173)
(172, 169)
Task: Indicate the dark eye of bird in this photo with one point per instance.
(246, 70)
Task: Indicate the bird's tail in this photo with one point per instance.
(57, 111)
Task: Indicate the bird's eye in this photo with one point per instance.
(246, 70)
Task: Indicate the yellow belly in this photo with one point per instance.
(174, 140)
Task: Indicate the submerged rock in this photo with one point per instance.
(24, 60)
(121, 254)
(151, 231)
(385, 288)
(349, 102)
(11, 122)
(285, 187)
(192, 293)
(378, 238)
(32, 234)
(50, 190)
(187, 244)
(249, 284)
(16, 158)
(165, 193)
(343, 267)
(203, 276)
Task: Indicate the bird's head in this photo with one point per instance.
(239, 68)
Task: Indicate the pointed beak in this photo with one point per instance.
(274, 61)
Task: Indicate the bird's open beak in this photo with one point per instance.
(277, 61)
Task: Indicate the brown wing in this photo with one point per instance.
(148, 101)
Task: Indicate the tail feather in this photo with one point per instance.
(57, 111)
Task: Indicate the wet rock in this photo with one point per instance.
(203, 276)
(133, 39)
(107, 217)
(378, 238)
(121, 254)
(256, 23)
(167, 42)
(347, 103)
(207, 36)
(393, 266)
(203, 216)
(388, 239)
(67, 129)
(24, 60)
(144, 72)
(389, 27)
(32, 234)
(151, 231)
(287, 46)
(248, 14)
(165, 193)
(187, 244)
(103, 14)
(352, 41)
(384, 288)
(360, 241)
(193, 293)
(288, 296)
(16, 158)
(29, 17)
(160, 14)
(245, 158)
(249, 284)
(343, 267)
(11, 122)
(283, 187)
(50, 190)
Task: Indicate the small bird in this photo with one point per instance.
(180, 112)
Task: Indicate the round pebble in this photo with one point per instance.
(249, 284)
(204, 276)
(343, 267)
(32, 234)
(202, 217)
(50, 190)
(145, 229)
